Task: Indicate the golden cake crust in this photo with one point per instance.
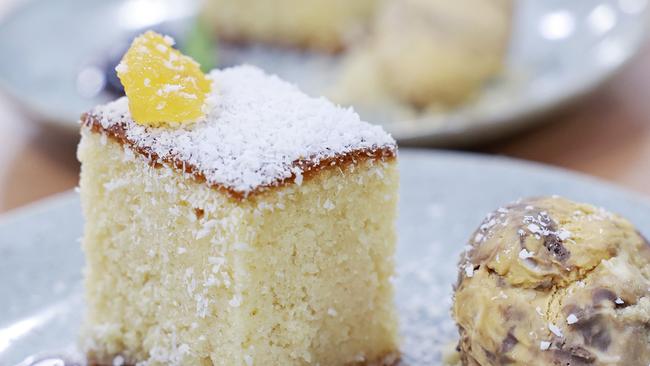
(309, 168)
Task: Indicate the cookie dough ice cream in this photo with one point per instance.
(548, 281)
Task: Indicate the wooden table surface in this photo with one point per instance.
(606, 135)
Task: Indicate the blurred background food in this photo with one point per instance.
(464, 74)
(427, 53)
(320, 25)
(416, 52)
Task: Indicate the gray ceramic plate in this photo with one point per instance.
(444, 196)
(560, 50)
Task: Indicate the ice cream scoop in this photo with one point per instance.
(547, 281)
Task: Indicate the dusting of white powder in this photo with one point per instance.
(525, 254)
(555, 330)
(571, 319)
(328, 205)
(256, 127)
(469, 270)
(121, 68)
(169, 40)
(249, 360)
(118, 361)
(235, 302)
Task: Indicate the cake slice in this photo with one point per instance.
(261, 234)
(325, 25)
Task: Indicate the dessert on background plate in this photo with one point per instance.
(427, 54)
(547, 281)
(325, 25)
(540, 74)
(232, 220)
(413, 55)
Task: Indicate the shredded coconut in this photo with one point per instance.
(328, 205)
(249, 360)
(544, 345)
(525, 254)
(555, 330)
(169, 88)
(241, 246)
(469, 270)
(571, 319)
(235, 301)
(121, 68)
(169, 40)
(540, 225)
(563, 234)
(118, 361)
(257, 126)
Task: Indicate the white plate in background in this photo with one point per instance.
(560, 50)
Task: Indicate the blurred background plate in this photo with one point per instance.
(559, 50)
(443, 198)
(56, 52)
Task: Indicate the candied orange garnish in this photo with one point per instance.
(164, 86)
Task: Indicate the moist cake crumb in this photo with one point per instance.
(179, 273)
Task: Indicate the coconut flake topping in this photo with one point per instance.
(257, 126)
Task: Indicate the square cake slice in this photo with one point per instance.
(263, 234)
